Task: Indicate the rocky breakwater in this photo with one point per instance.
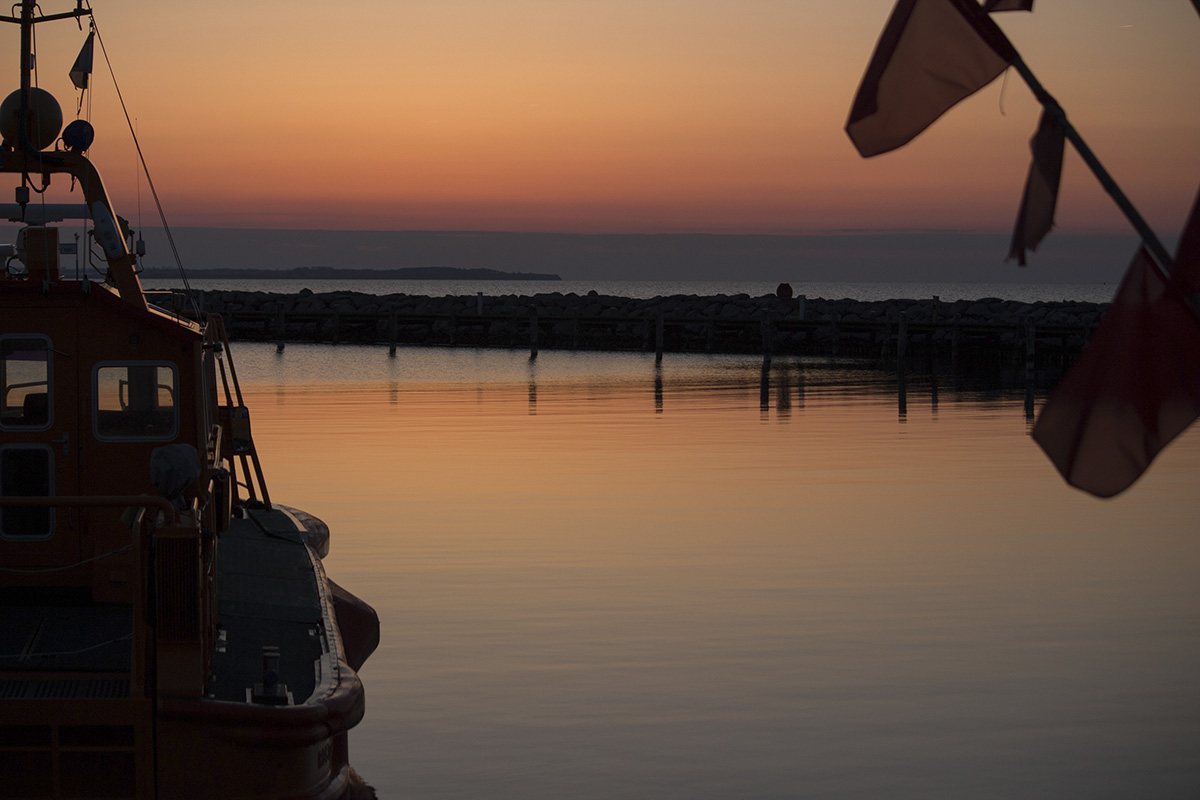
(988, 328)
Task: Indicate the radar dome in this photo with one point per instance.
(45, 118)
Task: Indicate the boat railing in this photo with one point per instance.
(93, 501)
(174, 604)
(234, 416)
(175, 303)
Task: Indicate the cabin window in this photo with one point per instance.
(25, 375)
(136, 401)
(26, 471)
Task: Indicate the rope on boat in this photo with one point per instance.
(191, 295)
(126, 638)
(68, 566)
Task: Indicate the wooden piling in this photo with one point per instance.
(767, 328)
(658, 389)
(391, 323)
(280, 329)
(1030, 365)
(533, 333)
(954, 336)
(658, 339)
(1030, 355)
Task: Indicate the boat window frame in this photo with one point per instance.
(51, 516)
(95, 403)
(49, 384)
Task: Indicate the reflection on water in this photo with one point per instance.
(600, 577)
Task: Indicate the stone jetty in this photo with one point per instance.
(988, 330)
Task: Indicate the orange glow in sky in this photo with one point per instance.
(609, 115)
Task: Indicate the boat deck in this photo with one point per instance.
(267, 595)
(88, 644)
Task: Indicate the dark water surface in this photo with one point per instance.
(598, 578)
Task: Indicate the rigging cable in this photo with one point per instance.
(191, 294)
(86, 116)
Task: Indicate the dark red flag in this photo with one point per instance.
(1137, 384)
(1036, 216)
(932, 54)
(1008, 5)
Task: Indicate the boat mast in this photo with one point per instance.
(26, 158)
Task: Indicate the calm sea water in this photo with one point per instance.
(598, 577)
(949, 292)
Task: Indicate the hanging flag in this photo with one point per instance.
(81, 70)
(1036, 216)
(1008, 5)
(931, 54)
(1137, 384)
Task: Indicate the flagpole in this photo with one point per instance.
(1158, 253)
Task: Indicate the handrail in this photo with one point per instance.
(95, 501)
(251, 467)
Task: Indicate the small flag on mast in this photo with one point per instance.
(1137, 384)
(81, 70)
(1036, 217)
(1008, 5)
(931, 55)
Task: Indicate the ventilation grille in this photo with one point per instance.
(49, 690)
(178, 580)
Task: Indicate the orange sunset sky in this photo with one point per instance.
(609, 115)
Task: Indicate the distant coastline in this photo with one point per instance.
(853, 256)
(336, 273)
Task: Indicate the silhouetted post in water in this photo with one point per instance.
(783, 394)
(575, 329)
(901, 366)
(800, 384)
(479, 304)
(1030, 365)
(658, 339)
(658, 388)
(836, 335)
(280, 328)
(800, 300)
(954, 348)
(533, 333)
(933, 319)
(764, 388)
(767, 327)
(886, 344)
(392, 333)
